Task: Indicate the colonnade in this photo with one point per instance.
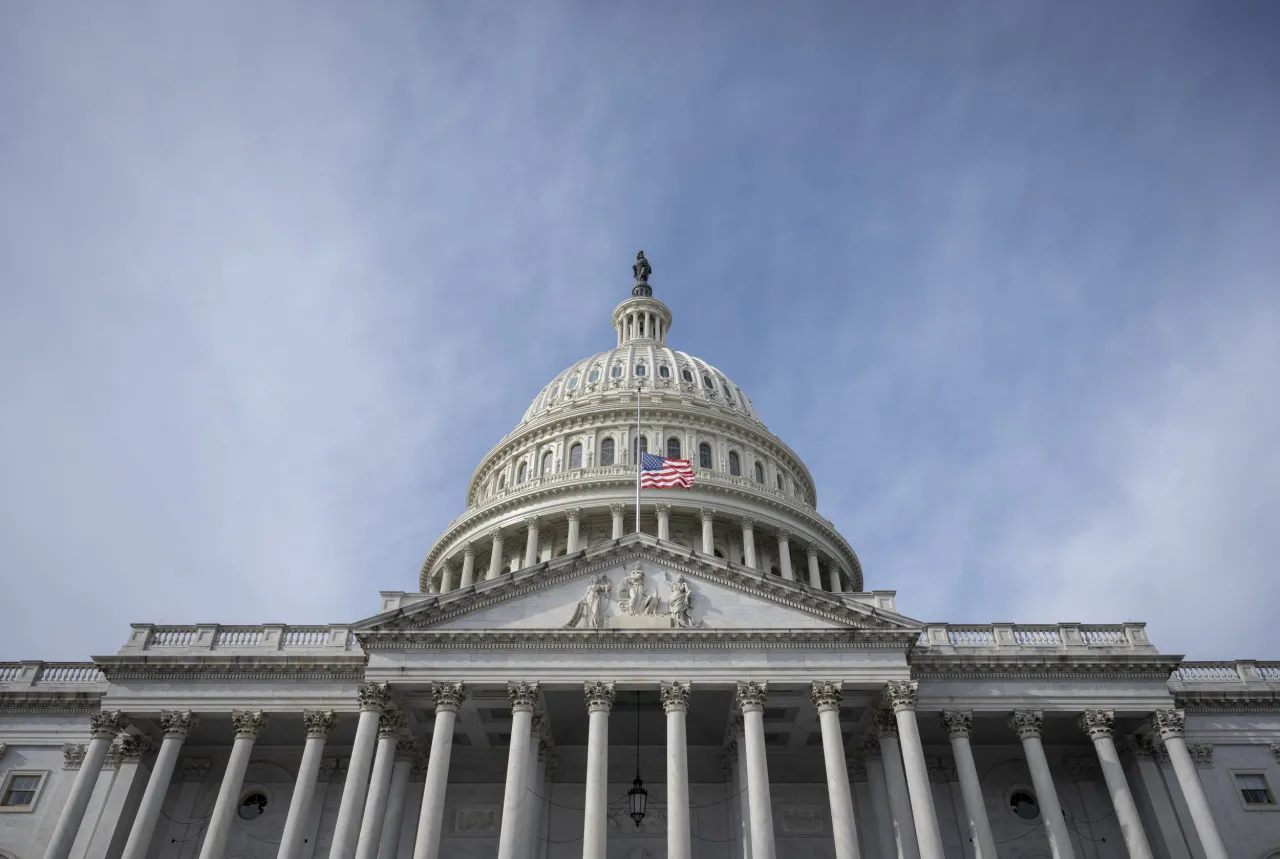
(535, 539)
(370, 815)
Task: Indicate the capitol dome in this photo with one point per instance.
(563, 480)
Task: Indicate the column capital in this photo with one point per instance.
(468, 548)
(523, 696)
(106, 725)
(494, 533)
(826, 694)
(391, 725)
(784, 535)
(573, 514)
(406, 749)
(530, 522)
(1027, 723)
(249, 724)
(331, 768)
(675, 696)
(737, 727)
(751, 695)
(747, 522)
(707, 514)
(901, 694)
(617, 509)
(195, 769)
(885, 724)
(319, 723)
(545, 751)
(538, 726)
(448, 696)
(1201, 754)
(811, 551)
(663, 509)
(177, 724)
(1170, 723)
(1097, 723)
(600, 696)
(133, 748)
(73, 755)
(870, 749)
(958, 723)
(373, 696)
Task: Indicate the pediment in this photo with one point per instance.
(636, 583)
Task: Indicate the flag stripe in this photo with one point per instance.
(657, 472)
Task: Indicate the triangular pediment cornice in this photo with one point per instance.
(441, 608)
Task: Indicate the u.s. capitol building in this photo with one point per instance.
(719, 682)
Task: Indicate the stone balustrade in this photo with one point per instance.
(1002, 637)
(50, 674)
(1190, 674)
(256, 639)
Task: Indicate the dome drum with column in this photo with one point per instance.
(575, 450)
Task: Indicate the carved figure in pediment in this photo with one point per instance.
(589, 612)
(634, 598)
(679, 604)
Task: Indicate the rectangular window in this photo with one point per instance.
(20, 790)
(1253, 789)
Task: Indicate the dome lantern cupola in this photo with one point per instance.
(642, 317)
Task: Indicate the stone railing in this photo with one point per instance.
(38, 674)
(257, 639)
(1003, 637)
(1191, 674)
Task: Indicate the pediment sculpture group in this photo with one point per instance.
(634, 599)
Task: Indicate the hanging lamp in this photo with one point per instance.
(638, 796)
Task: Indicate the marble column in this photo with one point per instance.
(495, 554)
(833, 576)
(815, 575)
(574, 515)
(958, 724)
(540, 797)
(739, 751)
(448, 698)
(249, 725)
(882, 811)
(784, 555)
(664, 521)
(511, 841)
(675, 701)
(318, 724)
(532, 803)
(1027, 725)
(390, 727)
(901, 696)
(616, 511)
(1171, 725)
(708, 517)
(468, 565)
(393, 822)
(751, 697)
(595, 817)
(446, 577)
(103, 728)
(374, 699)
(531, 541)
(826, 696)
(1098, 724)
(748, 543)
(177, 726)
(904, 825)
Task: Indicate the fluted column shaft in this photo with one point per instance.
(1098, 725)
(524, 696)
(375, 806)
(1171, 725)
(959, 723)
(574, 516)
(815, 575)
(708, 531)
(751, 698)
(748, 544)
(374, 698)
(904, 826)
(1027, 724)
(833, 576)
(468, 566)
(177, 725)
(826, 698)
(532, 787)
(446, 578)
(495, 556)
(531, 541)
(318, 724)
(448, 698)
(248, 726)
(675, 700)
(784, 557)
(738, 764)
(393, 822)
(600, 697)
(664, 527)
(103, 730)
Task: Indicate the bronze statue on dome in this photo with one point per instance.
(641, 269)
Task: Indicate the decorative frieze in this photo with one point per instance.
(1170, 723)
(391, 725)
(826, 694)
(901, 694)
(675, 696)
(106, 725)
(374, 696)
(1027, 724)
(751, 695)
(599, 695)
(1098, 724)
(448, 697)
(885, 723)
(178, 724)
(73, 755)
(959, 723)
(319, 723)
(248, 724)
(195, 769)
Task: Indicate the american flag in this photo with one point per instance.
(657, 472)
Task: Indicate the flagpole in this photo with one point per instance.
(639, 467)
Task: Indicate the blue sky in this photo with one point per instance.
(274, 277)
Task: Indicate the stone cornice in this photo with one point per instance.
(50, 703)
(188, 666)
(1034, 666)
(792, 595)
(1228, 700)
(682, 640)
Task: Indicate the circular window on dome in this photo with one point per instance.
(253, 804)
(593, 376)
(686, 375)
(639, 369)
(664, 371)
(1023, 803)
(573, 383)
(617, 371)
(706, 380)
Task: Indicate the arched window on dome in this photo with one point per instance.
(728, 396)
(547, 462)
(522, 473)
(735, 464)
(704, 455)
(706, 380)
(644, 447)
(664, 371)
(640, 369)
(687, 375)
(606, 452)
(616, 372)
(573, 383)
(502, 482)
(673, 448)
(779, 479)
(759, 473)
(575, 456)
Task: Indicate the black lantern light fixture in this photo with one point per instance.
(638, 796)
